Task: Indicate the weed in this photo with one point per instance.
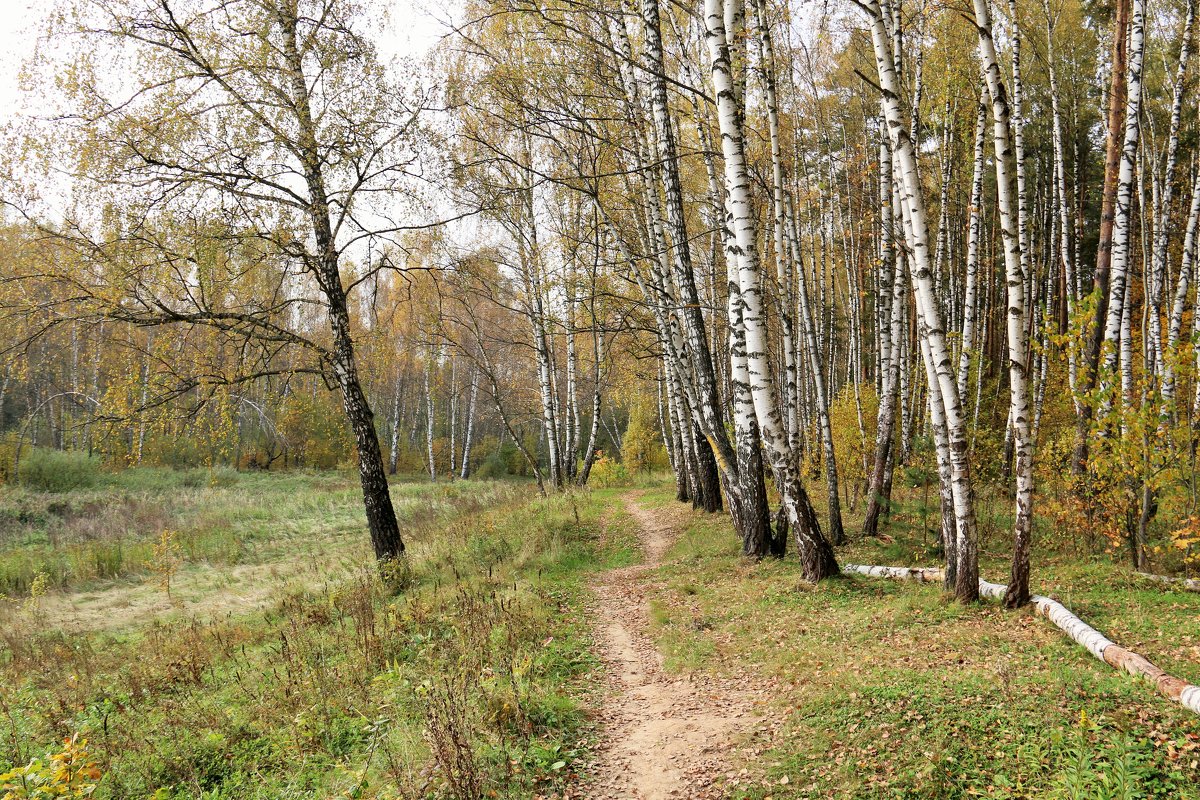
(450, 738)
(165, 560)
(310, 686)
(58, 471)
(37, 591)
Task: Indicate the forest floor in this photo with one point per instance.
(607, 643)
(879, 689)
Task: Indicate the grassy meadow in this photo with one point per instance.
(252, 651)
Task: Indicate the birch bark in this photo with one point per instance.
(1187, 268)
(429, 462)
(836, 533)
(917, 237)
(1017, 310)
(890, 385)
(816, 555)
(974, 229)
(1123, 214)
(469, 432)
(667, 157)
(1162, 205)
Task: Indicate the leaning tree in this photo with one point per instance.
(249, 161)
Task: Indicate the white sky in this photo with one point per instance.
(414, 25)
(20, 21)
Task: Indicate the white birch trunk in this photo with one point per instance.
(917, 235)
(453, 417)
(688, 342)
(1096, 643)
(836, 534)
(783, 281)
(469, 432)
(1175, 326)
(974, 229)
(394, 440)
(1162, 207)
(535, 309)
(889, 396)
(571, 451)
(1123, 221)
(816, 555)
(1063, 214)
(1017, 311)
(430, 465)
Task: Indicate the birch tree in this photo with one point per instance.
(915, 226)
(1008, 191)
(816, 555)
(274, 117)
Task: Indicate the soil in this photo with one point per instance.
(664, 736)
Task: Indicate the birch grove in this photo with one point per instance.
(942, 267)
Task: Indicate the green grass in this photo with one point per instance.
(283, 667)
(888, 689)
(90, 536)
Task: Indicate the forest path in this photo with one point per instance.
(664, 736)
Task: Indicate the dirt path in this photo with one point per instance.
(664, 736)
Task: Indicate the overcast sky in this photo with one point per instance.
(20, 21)
(414, 29)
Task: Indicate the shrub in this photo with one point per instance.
(850, 447)
(58, 471)
(69, 773)
(176, 451)
(8, 447)
(607, 473)
(506, 460)
(642, 449)
(494, 467)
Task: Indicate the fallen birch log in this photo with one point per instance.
(1187, 584)
(1099, 645)
(918, 574)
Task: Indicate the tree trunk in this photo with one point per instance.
(1117, 94)
(469, 433)
(429, 462)
(1123, 213)
(394, 440)
(891, 294)
(974, 230)
(1174, 328)
(681, 263)
(815, 553)
(836, 534)
(1081, 633)
(377, 500)
(917, 236)
(1063, 215)
(1017, 312)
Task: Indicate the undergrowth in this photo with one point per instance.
(467, 682)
